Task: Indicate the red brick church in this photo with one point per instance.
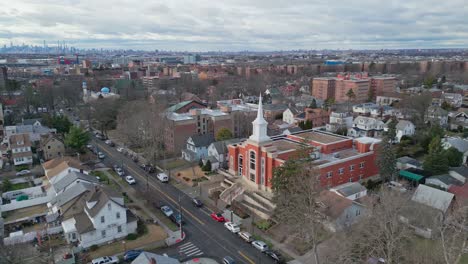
(340, 159)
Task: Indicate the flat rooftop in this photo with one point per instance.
(321, 137)
(284, 144)
(326, 158)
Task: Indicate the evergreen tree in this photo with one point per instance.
(200, 163)
(313, 104)
(207, 166)
(386, 160)
(76, 139)
(436, 161)
(454, 157)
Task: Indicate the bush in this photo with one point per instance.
(94, 247)
(263, 224)
(21, 167)
(141, 228)
(132, 236)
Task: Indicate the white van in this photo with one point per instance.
(163, 177)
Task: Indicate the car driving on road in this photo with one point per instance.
(197, 202)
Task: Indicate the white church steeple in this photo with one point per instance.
(260, 125)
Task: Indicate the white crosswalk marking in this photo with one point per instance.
(189, 249)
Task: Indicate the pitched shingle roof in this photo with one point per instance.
(101, 195)
(70, 178)
(202, 140)
(432, 197)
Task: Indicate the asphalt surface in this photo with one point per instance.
(204, 236)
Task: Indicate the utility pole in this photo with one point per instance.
(180, 224)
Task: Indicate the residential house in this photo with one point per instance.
(339, 121)
(458, 119)
(32, 127)
(366, 127)
(290, 114)
(380, 111)
(350, 190)
(96, 217)
(460, 144)
(364, 109)
(218, 153)
(454, 99)
(51, 147)
(58, 168)
(272, 111)
(402, 128)
(339, 211)
(318, 116)
(197, 147)
(20, 147)
(426, 210)
(70, 179)
(406, 162)
(459, 173)
(443, 181)
(151, 258)
(388, 98)
(437, 115)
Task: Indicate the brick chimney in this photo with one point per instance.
(153, 261)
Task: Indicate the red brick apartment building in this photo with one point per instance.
(340, 159)
(337, 87)
(191, 118)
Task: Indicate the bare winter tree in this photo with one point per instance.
(142, 125)
(454, 235)
(380, 233)
(296, 188)
(104, 113)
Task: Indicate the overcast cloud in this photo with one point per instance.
(201, 25)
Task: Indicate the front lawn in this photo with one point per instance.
(19, 186)
(155, 233)
(169, 165)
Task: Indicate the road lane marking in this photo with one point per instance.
(198, 252)
(247, 258)
(157, 188)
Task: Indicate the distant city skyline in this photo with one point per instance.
(236, 25)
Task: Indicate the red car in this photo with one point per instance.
(218, 217)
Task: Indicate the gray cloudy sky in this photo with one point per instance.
(200, 25)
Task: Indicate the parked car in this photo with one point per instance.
(162, 177)
(260, 245)
(131, 254)
(233, 227)
(89, 146)
(246, 236)
(228, 260)
(167, 211)
(197, 202)
(23, 172)
(120, 172)
(101, 155)
(276, 256)
(218, 217)
(177, 219)
(130, 180)
(105, 260)
(109, 142)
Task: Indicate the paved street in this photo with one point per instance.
(204, 236)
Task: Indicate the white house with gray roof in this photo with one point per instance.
(402, 128)
(197, 147)
(95, 217)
